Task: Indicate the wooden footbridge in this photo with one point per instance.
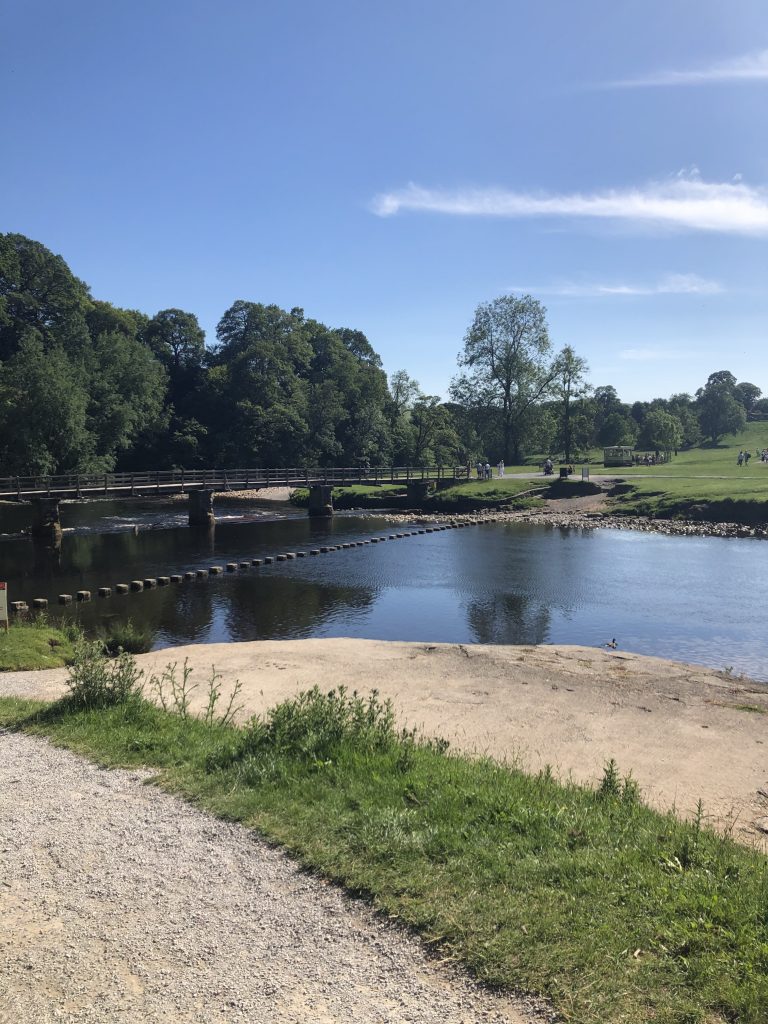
(45, 492)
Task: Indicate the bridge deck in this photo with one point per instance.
(179, 481)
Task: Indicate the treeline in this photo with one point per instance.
(87, 386)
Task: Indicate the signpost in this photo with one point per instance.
(4, 605)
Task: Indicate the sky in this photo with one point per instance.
(390, 166)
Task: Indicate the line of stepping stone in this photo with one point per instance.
(151, 582)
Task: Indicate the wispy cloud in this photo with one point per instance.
(683, 202)
(750, 67)
(671, 284)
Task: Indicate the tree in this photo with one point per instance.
(618, 429)
(434, 435)
(404, 391)
(747, 394)
(43, 404)
(176, 338)
(663, 430)
(506, 351)
(569, 385)
(39, 291)
(259, 385)
(720, 412)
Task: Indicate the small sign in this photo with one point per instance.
(4, 604)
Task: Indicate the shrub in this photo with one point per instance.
(125, 636)
(95, 681)
(310, 729)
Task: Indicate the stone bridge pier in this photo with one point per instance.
(46, 521)
(201, 508)
(321, 500)
(417, 490)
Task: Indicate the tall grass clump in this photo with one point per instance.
(125, 636)
(94, 681)
(311, 731)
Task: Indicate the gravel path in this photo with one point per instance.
(121, 903)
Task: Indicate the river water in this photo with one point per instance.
(687, 598)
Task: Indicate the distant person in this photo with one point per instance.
(740, 460)
(500, 468)
(480, 471)
(487, 471)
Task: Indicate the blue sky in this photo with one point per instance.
(390, 166)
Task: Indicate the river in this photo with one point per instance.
(687, 598)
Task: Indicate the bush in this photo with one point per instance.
(95, 681)
(125, 636)
(310, 729)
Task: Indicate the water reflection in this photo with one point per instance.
(508, 619)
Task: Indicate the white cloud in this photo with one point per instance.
(750, 67)
(684, 202)
(672, 284)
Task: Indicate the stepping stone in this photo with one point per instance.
(105, 591)
(121, 588)
(83, 595)
(65, 599)
(39, 602)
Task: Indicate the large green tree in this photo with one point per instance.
(720, 411)
(569, 385)
(507, 359)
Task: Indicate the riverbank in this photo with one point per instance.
(583, 895)
(685, 732)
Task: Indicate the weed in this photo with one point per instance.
(613, 786)
(96, 682)
(125, 636)
(174, 695)
(309, 729)
(231, 710)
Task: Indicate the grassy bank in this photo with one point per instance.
(474, 494)
(31, 645)
(614, 912)
(461, 497)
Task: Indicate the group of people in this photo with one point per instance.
(650, 459)
(742, 459)
(484, 470)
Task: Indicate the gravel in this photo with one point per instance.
(122, 903)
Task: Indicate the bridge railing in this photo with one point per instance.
(221, 479)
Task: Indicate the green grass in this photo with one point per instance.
(33, 645)
(481, 493)
(611, 910)
(703, 483)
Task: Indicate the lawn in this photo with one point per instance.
(33, 645)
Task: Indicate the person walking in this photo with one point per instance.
(501, 468)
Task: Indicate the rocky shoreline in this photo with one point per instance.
(588, 520)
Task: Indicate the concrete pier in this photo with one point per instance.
(417, 490)
(201, 508)
(321, 500)
(46, 522)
